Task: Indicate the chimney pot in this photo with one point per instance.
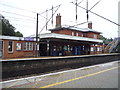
(90, 25)
(58, 20)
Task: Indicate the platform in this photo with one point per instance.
(96, 76)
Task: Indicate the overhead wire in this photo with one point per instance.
(80, 2)
(25, 15)
(17, 8)
(20, 18)
(94, 5)
(21, 9)
(27, 10)
(17, 14)
(31, 11)
(49, 9)
(16, 19)
(23, 20)
(23, 25)
(26, 20)
(78, 24)
(98, 15)
(50, 18)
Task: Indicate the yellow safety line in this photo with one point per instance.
(66, 81)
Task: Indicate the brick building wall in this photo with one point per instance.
(17, 53)
(96, 49)
(93, 35)
(77, 33)
(74, 32)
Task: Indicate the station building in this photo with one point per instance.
(16, 47)
(68, 40)
(62, 41)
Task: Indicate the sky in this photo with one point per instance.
(22, 15)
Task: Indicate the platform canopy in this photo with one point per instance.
(68, 37)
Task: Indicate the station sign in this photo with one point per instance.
(29, 38)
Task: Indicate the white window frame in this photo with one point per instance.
(95, 36)
(12, 46)
(82, 34)
(72, 33)
(25, 46)
(77, 34)
(98, 49)
(28, 46)
(19, 49)
(92, 49)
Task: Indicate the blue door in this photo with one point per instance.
(78, 50)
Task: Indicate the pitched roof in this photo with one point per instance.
(75, 29)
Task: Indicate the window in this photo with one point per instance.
(95, 36)
(92, 49)
(82, 35)
(28, 46)
(10, 46)
(25, 45)
(72, 33)
(99, 49)
(76, 34)
(1, 49)
(19, 46)
(1, 45)
(65, 48)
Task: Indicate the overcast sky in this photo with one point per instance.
(27, 23)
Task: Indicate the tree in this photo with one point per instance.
(8, 29)
(118, 48)
(18, 34)
(102, 38)
(106, 40)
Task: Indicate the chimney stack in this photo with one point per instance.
(58, 20)
(90, 25)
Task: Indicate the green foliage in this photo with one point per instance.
(118, 48)
(18, 34)
(106, 40)
(102, 38)
(8, 29)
